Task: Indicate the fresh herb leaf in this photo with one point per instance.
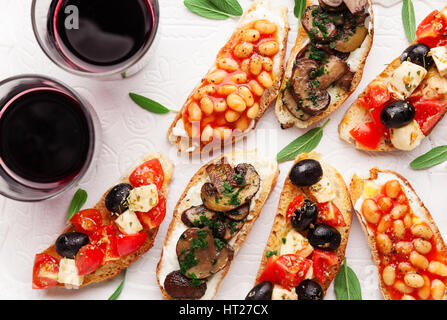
(306, 143)
(79, 199)
(269, 253)
(300, 6)
(347, 285)
(409, 19)
(118, 291)
(432, 158)
(206, 9)
(284, 240)
(230, 7)
(149, 105)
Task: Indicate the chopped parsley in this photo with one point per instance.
(269, 253)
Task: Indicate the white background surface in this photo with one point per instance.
(186, 47)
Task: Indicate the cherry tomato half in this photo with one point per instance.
(149, 172)
(428, 113)
(127, 244)
(328, 213)
(45, 271)
(431, 31)
(105, 239)
(154, 217)
(297, 202)
(87, 221)
(287, 270)
(322, 261)
(88, 259)
(367, 134)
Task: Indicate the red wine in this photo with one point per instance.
(110, 32)
(44, 136)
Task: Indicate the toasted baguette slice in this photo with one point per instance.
(433, 86)
(178, 135)
(113, 268)
(268, 171)
(362, 189)
(356, 61)
(281, 226)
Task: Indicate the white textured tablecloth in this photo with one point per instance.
(186, 46)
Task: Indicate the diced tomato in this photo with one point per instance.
(45, 271)
(377, 95)
(322, 261)
(431, 31)
(367, 134)
(105, 238)
(149, 172)
(297, 202)
(428, 113)
(128, 244)
(88, 259)
(154, 217)
(328, 213)
(87, 221)
(287, 270)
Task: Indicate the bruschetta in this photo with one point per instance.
(239, 87)
(327, 62)
(406, 101)
(309, 235)
(211, 222)
(406, 245)
(102, 241)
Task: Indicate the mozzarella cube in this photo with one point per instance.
(68, 273)
(439, 55)
(143, 198)
(295, 243)
(408, 137)
(406, 79)
(128, 223)
(280, 293)
(323, 190)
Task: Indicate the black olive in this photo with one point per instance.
(324, 237)
(419, 54)
(262, 291)
(306, 173)
(116, 199)
(309, 290)
(398, 114)
(305, 216)
(68, 244)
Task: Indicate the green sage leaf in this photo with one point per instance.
(149, 104)
(79, 199)
(432, 158)
(347, 285)
(409, 19)
(206, 9)
(118, 291)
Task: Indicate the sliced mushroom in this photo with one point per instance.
(334, 69)
(345, 81)
(233, 197)
(351, 39)
(198, 245)
(356, 6)
(309, 98)
(318, 25)
(232, 228)
(330, 4)
(192, 216)
(240, 213)
(327, 48)
(290, 103)
(179, 287)
(220, 173)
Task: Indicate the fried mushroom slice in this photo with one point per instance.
(333, 69)
(194, 216)
(318, 25)
(179, 287)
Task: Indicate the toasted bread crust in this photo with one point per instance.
(114, 268)
(289, 192)
(356, 190)
(266, 189)
(301, 41)
(266, 100)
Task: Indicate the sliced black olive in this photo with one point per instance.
(419, 54)
(262, 291)
(398, 114)
(306, 173)
(305, 216)
(116, 199)
(309, 290)
(68, 244)
(180, 287)
(324, 237)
